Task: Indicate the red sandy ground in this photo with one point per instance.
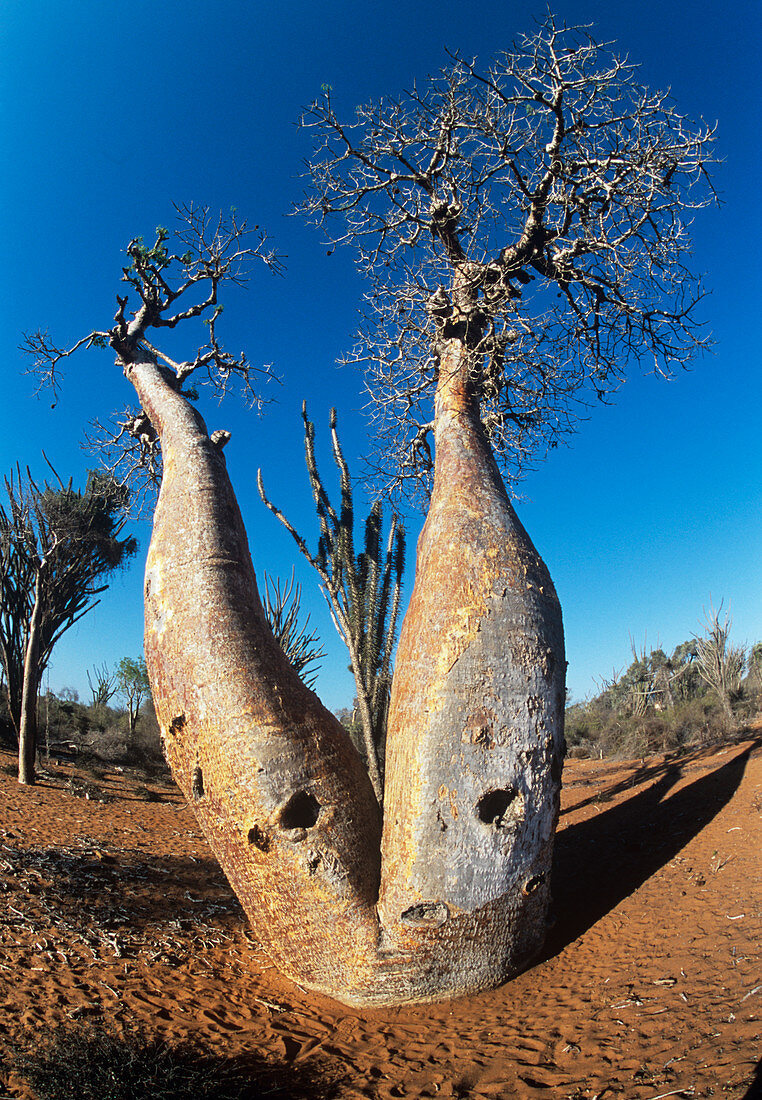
(650, 985)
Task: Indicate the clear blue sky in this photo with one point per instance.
(112, 111)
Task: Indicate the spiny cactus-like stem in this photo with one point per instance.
(363, 589)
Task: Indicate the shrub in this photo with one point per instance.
(596, 729)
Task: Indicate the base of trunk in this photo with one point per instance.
(437, 957)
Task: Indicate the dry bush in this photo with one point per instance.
(95, 1062)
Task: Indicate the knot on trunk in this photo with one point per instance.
(220, 438)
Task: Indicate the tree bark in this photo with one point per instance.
(28, 718)
(475, 736)
(474, 747)
(278, 787)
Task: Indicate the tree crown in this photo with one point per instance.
(175, 279)
(537, 209)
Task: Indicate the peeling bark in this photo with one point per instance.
(475, 737)
(474, 747)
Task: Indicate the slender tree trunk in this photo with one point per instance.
(370, 743)
(29, 691)
(727, 707)
(475, 741)
(475, 734)
(132, 718)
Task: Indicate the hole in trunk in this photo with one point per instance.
(533, 884)
(492, 808)
(300, 812)
(259, 838)
(177, 723)
(197, 783)
(427, 914)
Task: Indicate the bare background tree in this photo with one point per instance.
(539, 206)
(720, 664)
(102, 685)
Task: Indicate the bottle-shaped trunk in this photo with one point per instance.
(474, 745)
(278, 788)
(475, 738)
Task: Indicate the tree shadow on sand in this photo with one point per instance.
(601, 861)
(755, 1086)
(124, 892)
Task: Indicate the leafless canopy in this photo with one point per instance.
(539, 207)
(720, 664)
(175, 279)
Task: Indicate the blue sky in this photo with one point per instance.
(111, 112)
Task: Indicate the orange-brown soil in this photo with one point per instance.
(650, 984)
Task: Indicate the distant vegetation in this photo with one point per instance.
(706, 690)
(73, 730)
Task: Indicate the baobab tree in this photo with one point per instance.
(522, 229)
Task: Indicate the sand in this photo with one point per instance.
(650, 984)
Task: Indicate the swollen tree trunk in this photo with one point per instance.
(474, 745)
(475, 736)
(278, 787)
(28, 718)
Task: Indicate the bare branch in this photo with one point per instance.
(46, 356)
(536, 208)
(128, 449)
(166, 288)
